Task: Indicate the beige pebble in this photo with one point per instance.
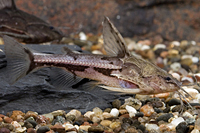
(105, 123)
(115, 125)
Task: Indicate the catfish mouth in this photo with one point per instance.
(127, 84)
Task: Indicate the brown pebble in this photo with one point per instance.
(31, 130)
(4, 130)
(7, 119)
(16, 114)
(147, 110)
(58, 128)
(41, 119)
(1, 115)
(125, 115)
(1, 119)
(131, 130)
(30, 114)
(164, 54)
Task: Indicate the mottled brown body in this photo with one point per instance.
(117, 71)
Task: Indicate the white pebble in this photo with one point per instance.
(114, 112)
(195, 59)
(150, 127)
(193, 43)
(195, 131)
(132, 111)
(187, 79)
(16, 124)
(21, 130)
(175, 66)
(132, 46)
(82, 36)
(187, 114)
(175, 43)
(176, 121)
(177, 76)
(159, 46)
(75, 112)
(107, 115)
(186, 57)
(145, 47)
(68, 126)
(191, 91)
(89, 114)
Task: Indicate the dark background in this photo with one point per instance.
(156, 20)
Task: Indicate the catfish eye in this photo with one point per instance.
(167, 78)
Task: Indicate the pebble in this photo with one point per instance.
(132, 111)
(175, 43)
(159, 46)
(43, 129)
(74, 112)
(96, 129)
(175, 122)
(115, 125)
(175, 66)
(105, 123)
(177, 76)
(7, 119)
(114, 112)
(147, 110)
(58, 113)
(116, 103)
(186, 61)
(17, 114)
(165, 117)
(181, 127)
(106, 115)
(195, 131)
(84, 127)
(49, 116)
(30, 114)
(197, 124)
(4, 130)
(31, 130)
(150, 127)
(174, 102)
(135, 103)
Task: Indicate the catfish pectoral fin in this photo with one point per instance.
(61, 78)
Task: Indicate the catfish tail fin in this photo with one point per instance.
(19, 59)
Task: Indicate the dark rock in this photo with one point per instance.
(59, 119)
(164, 117)
(157, 110)
(24, 95)
(33, 123)
(178, 108)
(43, 129)
(127, 120)
(116, 103)
(31, 130)
(140, 114)
(174, 102)
(182, 128)
(167, 109)
(79, 121)
(142, 127)
(28, 124)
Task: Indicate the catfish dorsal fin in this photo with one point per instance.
(7, 4)
(114, 43)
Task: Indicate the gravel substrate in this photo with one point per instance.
(142, 113)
